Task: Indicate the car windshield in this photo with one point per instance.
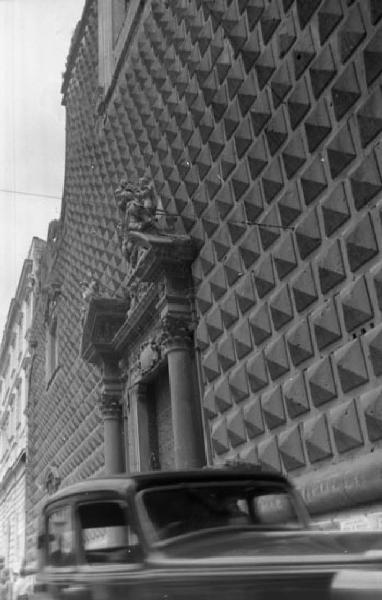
(171, 511)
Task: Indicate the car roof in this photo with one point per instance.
(125, 482)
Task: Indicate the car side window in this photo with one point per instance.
(61, 549)
(106, 534)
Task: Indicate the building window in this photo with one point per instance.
(51, 350)
(117, 20)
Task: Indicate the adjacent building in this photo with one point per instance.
(212, 289)
(15, 368)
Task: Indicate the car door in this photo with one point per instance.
(60, 564)
(110, 553)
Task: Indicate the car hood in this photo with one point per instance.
(280, 546)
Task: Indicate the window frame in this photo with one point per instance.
(130, 522)
(110, 50)
(54, 508)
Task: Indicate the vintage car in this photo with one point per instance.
(211, 533)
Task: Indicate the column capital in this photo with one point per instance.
(176, 333)
(112, 390)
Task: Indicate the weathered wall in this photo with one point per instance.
(245, 112)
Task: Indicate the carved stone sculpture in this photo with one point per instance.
(137, 204)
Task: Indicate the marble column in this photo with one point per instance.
(186, 418)
(111, 409)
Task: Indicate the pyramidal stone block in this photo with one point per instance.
(351, 33)
(242, 339)
(356, 305)
(235, 428)
(264, 276)
(219, 437)
(321, 382)
(269, 228)
(276, 131)
(257, 157)
(291, 449)
(233, 267)
(296, 396)
(237, 223)
(218, 283)
(373, 340)
(303, 53)
(318, 125)
(257, 372)
(345, 91)
(361, 243)
(245, 294)
(376, 274)
(313, 181)
(202, 336)
(250, 51)
(265, 67)
(277, 359)
(249, 248)
(226, 354)
(238, 383)
(253, 418)
(290, 205)
(335, 209)
(331, 267)
(322, 71)
(204, 298)
(341, 151)
(243, 136)
(372, 56)
(298, 103)
(247, 93)
(270, 20)
(261, 112)
(229, 311)
(287, 35)
(371, 404)
(369, 118)
(304, 289)
(281, 84)
(209, 404)
(214, 324)
(223, 399)
(366, 181)
(329, 16)
(300, 343)
(326, 325)
(260, 324)
(273, 408)
(281, 308)
(351, 366)
(235, 77)
(346, 427)
(269, 456)
(285, 257)
(305, 10)
(308, 234)
(294, 155)
(253, 203)
(317, 440)
(211, 366)
(272, 180)
(221, 242)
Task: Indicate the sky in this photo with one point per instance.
(34, 42)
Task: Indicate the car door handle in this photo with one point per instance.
(74, 590)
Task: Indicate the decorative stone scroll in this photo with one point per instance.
(52, 480)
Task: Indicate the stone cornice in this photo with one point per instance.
(103, 319)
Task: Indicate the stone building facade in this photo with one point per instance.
(15, 365)
(213, 286)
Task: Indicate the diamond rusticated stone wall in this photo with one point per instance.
(244, 112)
